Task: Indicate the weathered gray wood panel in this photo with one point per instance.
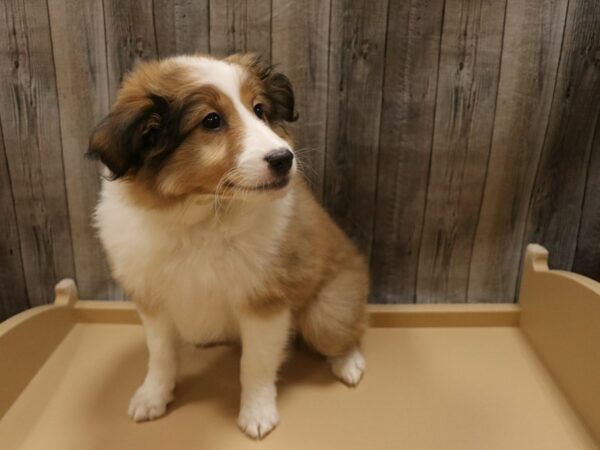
(240, 26)
(356, 56)
(556, 204)
(181, 26)
(82, 83)
(13, 292)
(587, 253)
(29, 116)
(130, 36)
(464, 118)
(442, 135)
(409, 94)
(532, 39)
(301, 51)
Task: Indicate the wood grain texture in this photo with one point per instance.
(409, 94)
(240, 26)
(466, 102)
(29, 116)
(301, 51)
(82, 84)
(356, 67)
(181, 26)
(556, 204)
(13, 292)
(442, 135)
(532, 39)
(130, 36)
(587, 252)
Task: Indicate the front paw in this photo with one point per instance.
(257, 420)
(149, 403)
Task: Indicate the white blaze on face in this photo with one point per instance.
(258, 138)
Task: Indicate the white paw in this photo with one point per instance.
(149, 403)
(257, 421)
(349, 367)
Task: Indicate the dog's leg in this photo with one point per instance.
(151, 399)
(334, 324)
(263, 348)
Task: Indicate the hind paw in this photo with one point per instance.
(349, 368)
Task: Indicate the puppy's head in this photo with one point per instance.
(198, 125)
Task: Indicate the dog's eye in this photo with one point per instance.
(212, 121)
(258, 110)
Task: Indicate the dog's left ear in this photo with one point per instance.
(278, 88)
(281, 95)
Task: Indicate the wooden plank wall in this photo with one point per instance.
(442, 135)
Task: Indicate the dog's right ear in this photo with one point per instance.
(105, 145)
(128, 136)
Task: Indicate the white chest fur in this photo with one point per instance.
(195, 265)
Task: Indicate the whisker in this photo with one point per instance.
(304, 169)
(217, 204)
(305, 150)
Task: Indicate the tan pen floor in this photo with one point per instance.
(480, 388)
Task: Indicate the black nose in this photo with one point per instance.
(280, 160)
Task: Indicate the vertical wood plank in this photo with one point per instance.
(29, 112)
(259, 27)
(556, 203)
(181, 26)
(82, 84)
(356, 67)
(466, 100)
(587, 253)
(227, 27)
(409, 94)
(532, 40)
(129, 37)
(13, 292)
(240, 26)
(300, 49)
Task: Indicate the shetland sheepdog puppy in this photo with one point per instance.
(209, 229)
